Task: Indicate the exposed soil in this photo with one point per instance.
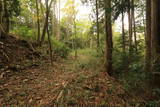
(16, 55)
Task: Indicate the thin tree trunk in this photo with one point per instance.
(46, 21)
(2, 30)
(50, 46)
(75, 44)
(97, 22)
(109, 42)
(7, 23)
(123, 35)
(6, 15)
(134, 26)
(1, 15)
(54, 21)
(38, 22)
(59, 20)
(130, 27)
(75, 31)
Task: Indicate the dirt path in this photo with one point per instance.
(61, 85)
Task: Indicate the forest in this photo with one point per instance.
(79, 53)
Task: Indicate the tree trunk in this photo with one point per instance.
(38, 21)
(130, 27)
(155, 44)
(1, 15)
(148, 36)
(46, 21)
(134, 25)
(50, 46)
(54, 21)
(109, 43)
(75, 41)
(6, 18)
(2, 30)
(7, 23)
(155, 32)
(59, 20)
(97, 22)
(123, 35)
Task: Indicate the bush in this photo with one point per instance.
(24, 32)
(60, 48)
(152, 104)
(88, 59)
(133, 81)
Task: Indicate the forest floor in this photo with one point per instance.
(69, 82)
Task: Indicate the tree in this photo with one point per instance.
(97, 22)
(134, 23)
(130, 26)
(109, 42)
(1, 18)
(123, 30)
(70, 19)
(155, 34)
(148, 36)
(55, 20)
(48, 6)
(59, 19)
(38, 21)
(8, 9)
(75, 29)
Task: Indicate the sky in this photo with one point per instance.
(118, 23)
(83, 10)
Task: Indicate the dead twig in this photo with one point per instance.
(5, 55)
(61, 92)
(1, 43)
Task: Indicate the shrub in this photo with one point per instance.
(60, 48)
(24, 32)
(152, 104)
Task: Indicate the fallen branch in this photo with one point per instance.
(7, 57)
(31, 46)
(61, 93)
(2, 29)
(1, 43)
(5, 54)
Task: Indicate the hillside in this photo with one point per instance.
(68, 82)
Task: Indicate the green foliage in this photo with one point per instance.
(13, 7)
(126, 61)
(129, 66)
(156, 92)
(24, 32)
(133, 80)
(88, 58)
(152, 104)
(60, 48)
(156, 65)
(130, 70)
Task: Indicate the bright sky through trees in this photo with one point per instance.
(83, 10)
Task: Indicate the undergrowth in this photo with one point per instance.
(88, 59)
(135, 80)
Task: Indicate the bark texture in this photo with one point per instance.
(109, 42)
